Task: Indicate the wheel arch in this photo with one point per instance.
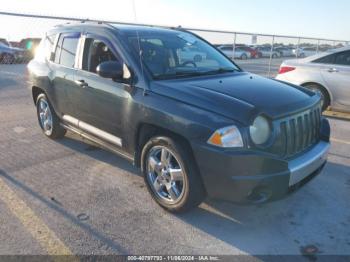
(321, 86)
(36, 91)
(145, 131)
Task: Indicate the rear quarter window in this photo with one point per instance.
(329, 59)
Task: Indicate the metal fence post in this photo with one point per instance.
(297, 49)
(234, 46)
(273, 42)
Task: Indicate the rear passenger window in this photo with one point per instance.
(95, 53)
(343, 58)
(68, 51)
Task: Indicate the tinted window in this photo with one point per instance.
(95, 53)
(342, 58)
(325, 60)
(68, 51)
(227, 48)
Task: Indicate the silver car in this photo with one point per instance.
(266, 52)
(239, 53)
(327, 73)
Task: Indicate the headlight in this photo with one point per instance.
(260, 130)
(226, 137)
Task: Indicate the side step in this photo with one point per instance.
(98, 141)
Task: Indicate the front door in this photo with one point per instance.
(103, 101)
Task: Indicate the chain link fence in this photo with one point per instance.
(258, 53)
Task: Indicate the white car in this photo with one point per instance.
(304, 52)
(239, 53)
(327, 73)
(266, 52)
(285, 51)
(189, 53)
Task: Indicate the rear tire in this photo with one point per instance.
(178, 171)
(48, 120)
(325, 99)
(8, 59)
(244, 57)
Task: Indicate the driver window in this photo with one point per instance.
(95, 53)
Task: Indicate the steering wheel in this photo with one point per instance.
(189, 62)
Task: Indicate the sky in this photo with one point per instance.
(312, 18)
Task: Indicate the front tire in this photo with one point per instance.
(171, 174)
(48, 120)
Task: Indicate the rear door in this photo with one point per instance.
(64, 69)
(337, 77)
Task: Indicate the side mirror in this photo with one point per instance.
(110, 69)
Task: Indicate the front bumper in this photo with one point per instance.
(255, 177)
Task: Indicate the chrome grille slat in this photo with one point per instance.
(300, 131)
(300, 134)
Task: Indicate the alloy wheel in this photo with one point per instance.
(45, 116)
(165, 174)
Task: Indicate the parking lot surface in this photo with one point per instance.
(70, 197)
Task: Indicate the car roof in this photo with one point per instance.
(119, 27)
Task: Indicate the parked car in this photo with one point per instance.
(9, 55)
(252, 51)
(189, 53)
(284, 51)
(194, 129)
(304, 52)
(327, 73)
(14, 44)
(30, 44)
(4, 42)
(266, 52)
(239, 53)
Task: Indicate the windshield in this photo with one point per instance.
(175, 54)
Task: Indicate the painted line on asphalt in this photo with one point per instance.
(35, 226)
(340, 141)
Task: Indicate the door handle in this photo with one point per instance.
(332, 70)
(81, 83)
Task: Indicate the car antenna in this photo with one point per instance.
(139, 46)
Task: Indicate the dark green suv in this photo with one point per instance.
(177, 107)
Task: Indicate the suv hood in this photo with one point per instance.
(239, 96)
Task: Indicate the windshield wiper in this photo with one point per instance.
(179, 74)
(221, 70)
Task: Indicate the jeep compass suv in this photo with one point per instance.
(195, 127)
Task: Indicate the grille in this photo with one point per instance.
(299, 132)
